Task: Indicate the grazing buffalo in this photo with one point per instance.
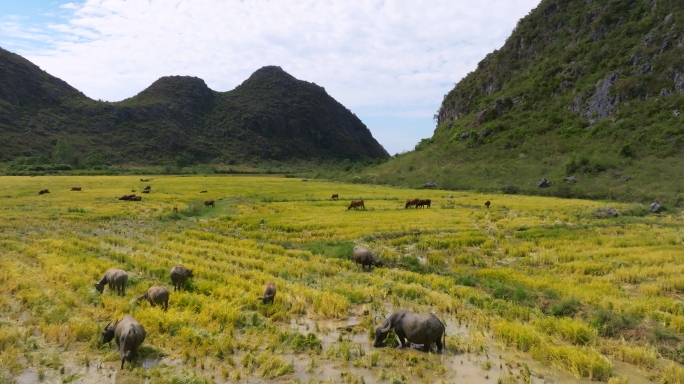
(135, 198)
(43, 191)
(424, 203)
(203, 191)
(129, 336)
(146, 191)
(175, 209)
(418, 329)
(132, 197)
(269, 293)
(116, 279)
(75, 188)
(356, 204)
(412, 202)
(157, 295)
(148, 188)
(134, 190)
(178, 276)
(335, 196)
(208, 203)
(363, 256)
(144, 180)
(487, 203)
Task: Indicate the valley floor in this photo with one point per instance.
(532, 289)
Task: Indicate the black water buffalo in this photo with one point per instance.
(269, 293)
(157, 295)
(129, 336)
(363, 256)
(116, 279)
(178, 276)
(418, 329)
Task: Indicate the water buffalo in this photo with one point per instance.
(335, 196)
(43, 191)
(208, 203)
(129, 336)
(135, 198)
(116, 279)
(75, 188)
(146, 191)
(157, 295)
(127, 197)
(269, 293)
(487, 203)
(144, 180)
(424, 203)
(203, 191)
(178, 276)
(356, 204)
(418, 329)
(148, 188)
(411, 202)
(363, 256)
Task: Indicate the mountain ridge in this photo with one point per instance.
(271, 116)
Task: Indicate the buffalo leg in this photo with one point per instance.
(402, 339)
(439, 345)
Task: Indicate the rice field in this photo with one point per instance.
(533, 290)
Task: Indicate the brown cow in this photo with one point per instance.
(148, 188)
(175, 209)
(43, 191)
(75, 188)
(424, 203)
(335, 196)
(144, 180)
(209, 202)
(487, 203)
(203, 191)
(411, 202)
(356, 204)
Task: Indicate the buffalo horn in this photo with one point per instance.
(387, 328)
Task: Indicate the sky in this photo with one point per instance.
(389, 61)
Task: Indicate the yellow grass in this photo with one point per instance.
(539, 275)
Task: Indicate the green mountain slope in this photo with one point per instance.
(271, 116)
(590, 88)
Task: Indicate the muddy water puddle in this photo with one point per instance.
(470, 357)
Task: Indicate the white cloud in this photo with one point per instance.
(386, 57)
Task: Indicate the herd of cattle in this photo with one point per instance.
(129, 334)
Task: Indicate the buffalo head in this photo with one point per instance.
(108, 332)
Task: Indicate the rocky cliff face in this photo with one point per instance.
(589, 56)
(270, 116)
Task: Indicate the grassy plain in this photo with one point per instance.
(533, 289)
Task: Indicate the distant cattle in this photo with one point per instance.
(487, 203)
(136, 198)
(175, 209)
(209, 202)
(424, 203)
(148, 188)
(75, 188)
(356, 204)
(146, 191)
(144, 180)
(132, 197)
(203, 191)
(335, 196)
(43, 191)
(411, 202)
(134, 190)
